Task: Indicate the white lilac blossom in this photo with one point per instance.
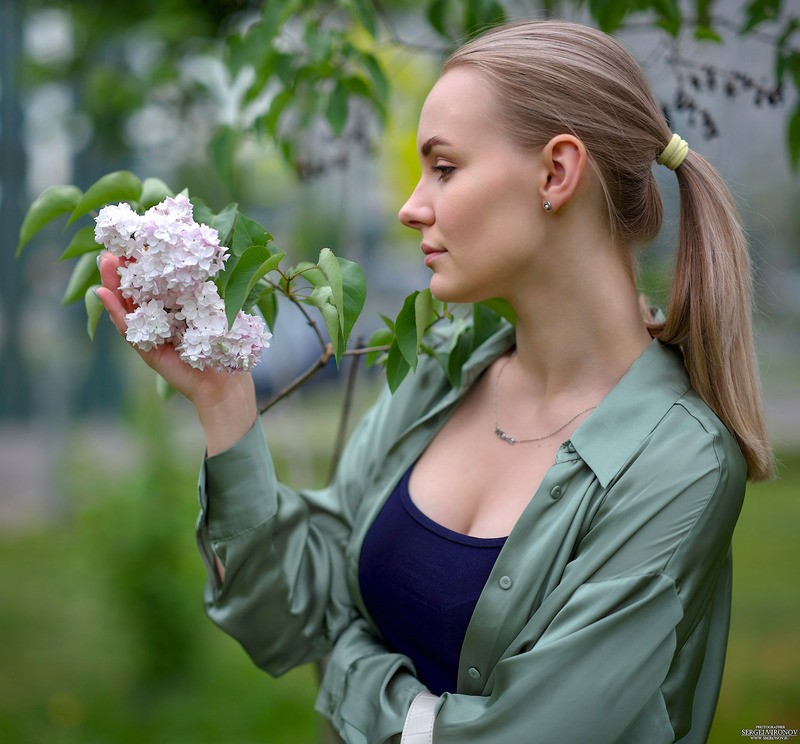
(169, 261)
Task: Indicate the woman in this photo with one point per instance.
(542, 554)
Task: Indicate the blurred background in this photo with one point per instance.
(102, 633)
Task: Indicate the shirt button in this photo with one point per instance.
(505, 582)
(474, 673)
(556, 492)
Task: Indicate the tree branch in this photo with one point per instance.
(323, 359)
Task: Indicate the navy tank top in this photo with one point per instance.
(420, 583)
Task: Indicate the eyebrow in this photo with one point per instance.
(429, 144)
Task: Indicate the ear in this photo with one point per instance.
(564, 161)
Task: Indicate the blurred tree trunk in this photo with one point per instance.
(15, 398)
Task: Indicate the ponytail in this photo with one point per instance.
(710, 308)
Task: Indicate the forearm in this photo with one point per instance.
(226, 419)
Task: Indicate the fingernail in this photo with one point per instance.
(94, 289)
(98, 260)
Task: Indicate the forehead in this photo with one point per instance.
(460, 109)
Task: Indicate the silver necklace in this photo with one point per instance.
(501, 433)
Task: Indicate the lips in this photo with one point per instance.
(431, 253)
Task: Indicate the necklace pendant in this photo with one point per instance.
(505, 437)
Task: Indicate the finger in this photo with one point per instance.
(114, 307)
(108, 264)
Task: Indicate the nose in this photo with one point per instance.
(417, 212)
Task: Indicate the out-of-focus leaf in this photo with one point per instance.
(485, 323)
(84, 275)
(52, 203)
(793, 136)
(94, 309)
(222, 148)
(82, 242)
(112, 188)
(759, 11)
(254, 263)
(337, 107)
(163, 389)
(502, 308)
(154, 191)
(364, 11)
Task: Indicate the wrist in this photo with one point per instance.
(226, 418)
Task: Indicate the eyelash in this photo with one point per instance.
(443, 170)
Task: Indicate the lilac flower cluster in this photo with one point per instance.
(169, 261)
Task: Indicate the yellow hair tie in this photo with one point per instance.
(674, 153)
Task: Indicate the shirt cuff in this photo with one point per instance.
(418, 728)
(237, 486)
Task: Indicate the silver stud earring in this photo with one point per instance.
(548, 207)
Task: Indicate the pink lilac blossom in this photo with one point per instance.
(170, 260)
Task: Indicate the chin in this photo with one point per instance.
(448, 292)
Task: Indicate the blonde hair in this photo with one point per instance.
(552, 77)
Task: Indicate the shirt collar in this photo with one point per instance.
(631, 410)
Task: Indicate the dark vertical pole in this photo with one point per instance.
(15, 399)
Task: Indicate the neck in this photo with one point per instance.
(578, 331)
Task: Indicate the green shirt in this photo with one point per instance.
(604, 619)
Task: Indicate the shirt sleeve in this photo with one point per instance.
(285, 596)
(613, 654)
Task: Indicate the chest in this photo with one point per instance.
(471, 481)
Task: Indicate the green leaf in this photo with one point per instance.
(396, 367)
(759, 11)
(405, 328)
(254, 263)
(437, 17)
(82, 242)
(247, 232)
(459, 353)
(502, 308)
(84, 275)
(163, 389)
(276, 108)
(364, 11)
(376, 73)
(423, 304)
(608, 13)
(222, 148)
(354, 293)
(94, 309)
(154, 191)
(51, 203)
(337, 107)
(333, 273)
(706, 33)
(201, 211)
(485, 323)
(112, 188)
(223, 222)
(322, 298)
(793, 137)
(381, 337)
(268, 305)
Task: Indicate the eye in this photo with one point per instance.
(443, 170)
